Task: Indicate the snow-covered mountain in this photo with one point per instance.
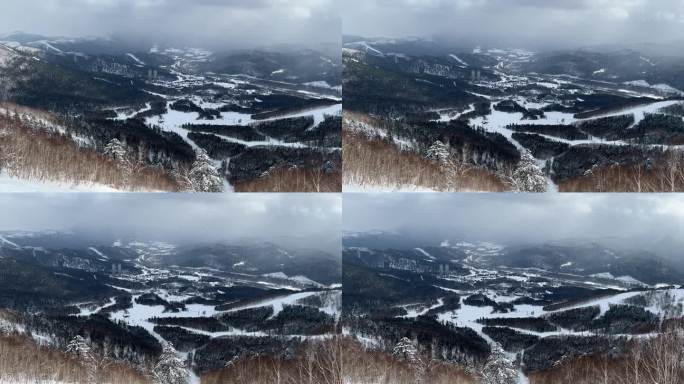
(134, 300)
(254, 112)
(536, 306)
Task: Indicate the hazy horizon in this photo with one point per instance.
(295, 220)
(212, 24)
(557, 24)
(517, 219)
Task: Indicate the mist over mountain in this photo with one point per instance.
(216, 25)
(141, 278)
(287, 220)
(544, 278)
(502, 24)
(626, 222)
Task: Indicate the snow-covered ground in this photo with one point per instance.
(497, 121)
(123, 114)
(277, 303)
(297, 278)
(174, 120)
(414, 311)
(449, 114)
(13, 184)
(140, 315)
(640, 111)
(89, 309)
(467, 315)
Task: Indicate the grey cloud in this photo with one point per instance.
(518, 218)
(307, 220)
(212, 23)
(524, 23)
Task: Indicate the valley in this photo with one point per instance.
(511, 288)
(555, 116)
(208, 304)
(212, 121)
(461, 302)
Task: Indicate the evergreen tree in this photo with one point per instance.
(527, 176)
(499, 368)
(439, 153)
(405, 349)
(170, 369)
(117, 151)
(203, 175)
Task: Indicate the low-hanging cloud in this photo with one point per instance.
(206, 23)
(303, 220)
(523, 23)
(518, 218)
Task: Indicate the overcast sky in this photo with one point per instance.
(310, 220)
(518, 218)
(523, 23)
(233, 23)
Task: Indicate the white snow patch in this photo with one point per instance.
(97, 252)
(630, 280)
(421, 250)
(3, 240)
(132, 56)
(320, 84)
(463, 63)
(277, 303)
(603, 275)
(413, 311)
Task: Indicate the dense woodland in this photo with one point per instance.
(216, 147)
(568, 132)
(258, 161)
(239, 132)
(541, 147)
(378, 86)
(292, 320)
(510, 339)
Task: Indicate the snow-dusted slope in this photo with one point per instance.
(6, 55)
(463, 63)
(140, 62)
